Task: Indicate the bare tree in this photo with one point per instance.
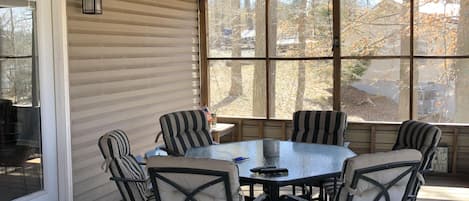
(259, 84)
(404, 91)
(462, 72)
(300, 92)
(273, 24)
(236, 74)
(247, 8)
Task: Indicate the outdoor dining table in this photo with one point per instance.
(306, 163)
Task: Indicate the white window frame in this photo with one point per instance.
(55, 105)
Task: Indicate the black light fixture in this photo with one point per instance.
(92, 7)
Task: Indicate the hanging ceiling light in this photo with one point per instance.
(93, 7)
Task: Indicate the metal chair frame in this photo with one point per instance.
(426, 162)
(359, 174)
(221, 177)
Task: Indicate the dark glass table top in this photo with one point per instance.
(305, 162)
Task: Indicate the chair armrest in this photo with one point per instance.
(127, 180)
(158, 136)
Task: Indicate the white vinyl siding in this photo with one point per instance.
(134, 63)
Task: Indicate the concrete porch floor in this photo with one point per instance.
(437, 188)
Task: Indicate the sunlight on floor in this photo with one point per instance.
(427, 193)
(444, 193)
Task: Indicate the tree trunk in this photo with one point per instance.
(259, 82)
(273, 52)
(236, 74)
(404, 82)
(462, 72)
(300, 92)
(13, 46)
(248, 14)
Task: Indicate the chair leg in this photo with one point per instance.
(321, 193)
(24, 180)
(251, 191)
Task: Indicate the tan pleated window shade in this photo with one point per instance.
(129, 66)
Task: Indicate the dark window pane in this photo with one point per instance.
(20, 127)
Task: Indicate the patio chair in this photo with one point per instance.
(321, 127)
(417, 135)
(126, 172)
(185, 129)
(384, 176)
(179, 179)
(423, 137)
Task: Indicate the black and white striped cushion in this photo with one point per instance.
(421, 136)
(115, 148)
(322, 127)
(185, 129)
(329, 185)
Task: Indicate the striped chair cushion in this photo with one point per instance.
(185, 129)
(322, 127)
(115, 148)
(329, 185)
(421, 136)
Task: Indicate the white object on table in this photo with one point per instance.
(221, 129)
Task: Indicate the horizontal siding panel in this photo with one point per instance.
(92, 65)
(91, 40)
(129, 30)
(115, 52)
(122, 116)
(103, 112)
(137, 19)
(88, 136)
(126, 74)
(128, 66)
(185, 5)
(128, 85)
(102, 100)
(135, 7)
